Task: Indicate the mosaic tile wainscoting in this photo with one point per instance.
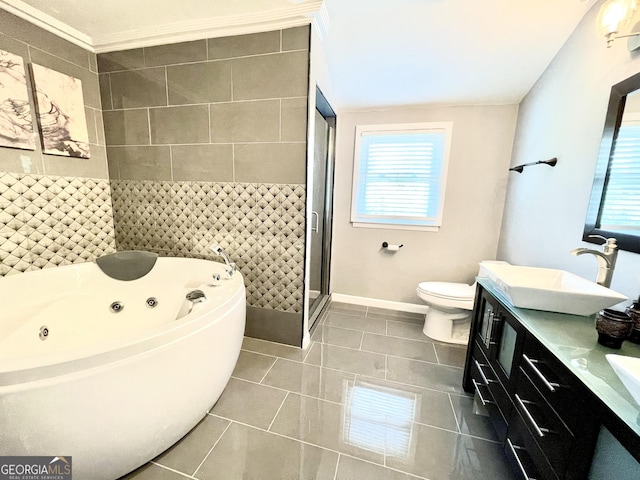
(260, 226)
(46, 221)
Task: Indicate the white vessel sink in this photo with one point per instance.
(628, 371)
(550, 289)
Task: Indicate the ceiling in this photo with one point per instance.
(379, 52)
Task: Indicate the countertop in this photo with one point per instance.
(574, 341)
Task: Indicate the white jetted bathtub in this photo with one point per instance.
(113, 390)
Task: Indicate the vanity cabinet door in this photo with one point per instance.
(506, 348)
(487, 317)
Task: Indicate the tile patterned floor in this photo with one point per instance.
(372, 398)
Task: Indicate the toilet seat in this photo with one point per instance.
(447, 295)
(448, 291)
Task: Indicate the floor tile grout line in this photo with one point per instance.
(382, 334)
(308, 351)
(279, 408)
(185, 475)
(267, 372)
(395, 356)
(311, 397)
(211, 450)
(335, 474)
(323, 447)
(461, 394)
(454, 413)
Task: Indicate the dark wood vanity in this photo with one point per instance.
(555, 403)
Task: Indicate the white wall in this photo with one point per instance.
(481, 150)
(563, 116)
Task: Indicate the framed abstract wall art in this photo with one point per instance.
(60, 112)
(16, 123)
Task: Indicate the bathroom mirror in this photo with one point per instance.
(614, 207)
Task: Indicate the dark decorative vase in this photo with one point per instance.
(613, 327)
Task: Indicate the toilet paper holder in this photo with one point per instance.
(391, 248)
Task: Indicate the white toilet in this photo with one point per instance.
(448, 318)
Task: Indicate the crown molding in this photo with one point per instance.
(254, 22)
(303, 12)
(47, 22)
(321, 22)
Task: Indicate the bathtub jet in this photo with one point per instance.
(113, 391)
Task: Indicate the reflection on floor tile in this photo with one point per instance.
(412, 331)
(406, 317)
(338, 336)
(439, 454)
(451, 355)
(187, 454)
(351, 469)
(400, 347)
(309, 380)
(329, 425)
(274, 349)
(372, 398)
(348, 308)
(432, 407)
(469, 422)
(424, 374)
(153, 472)
(245, 452)
(253, 366)
(249, 403)
(349, 360)
(354, 322)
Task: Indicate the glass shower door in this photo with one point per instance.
(321, 201)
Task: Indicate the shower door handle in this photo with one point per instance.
(317, 217)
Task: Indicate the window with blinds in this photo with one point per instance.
(400, 175)
(620, 207)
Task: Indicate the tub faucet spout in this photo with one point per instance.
(231, 267)
(606, 259)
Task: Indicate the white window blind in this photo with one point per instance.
(400, 175)
(620, 208)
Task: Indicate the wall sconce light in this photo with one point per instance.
(613, 17)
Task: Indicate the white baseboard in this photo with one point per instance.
(376, 302)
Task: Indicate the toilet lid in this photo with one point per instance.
(453, 291)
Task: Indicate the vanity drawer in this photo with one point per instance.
(491, 393)
(549, 431)
(523, 452)
(554, 382)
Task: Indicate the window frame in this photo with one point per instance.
(402, 128)
(613, 120)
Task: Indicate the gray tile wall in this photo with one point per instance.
(246, 94)
(206, 143)
(54, 210)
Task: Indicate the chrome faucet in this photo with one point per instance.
(231, 267)
(606, 259)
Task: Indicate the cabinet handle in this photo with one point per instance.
(497, 320)
(550, 385)
(540, 431)
(482, 375)
(513, 448)
(484, 402)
